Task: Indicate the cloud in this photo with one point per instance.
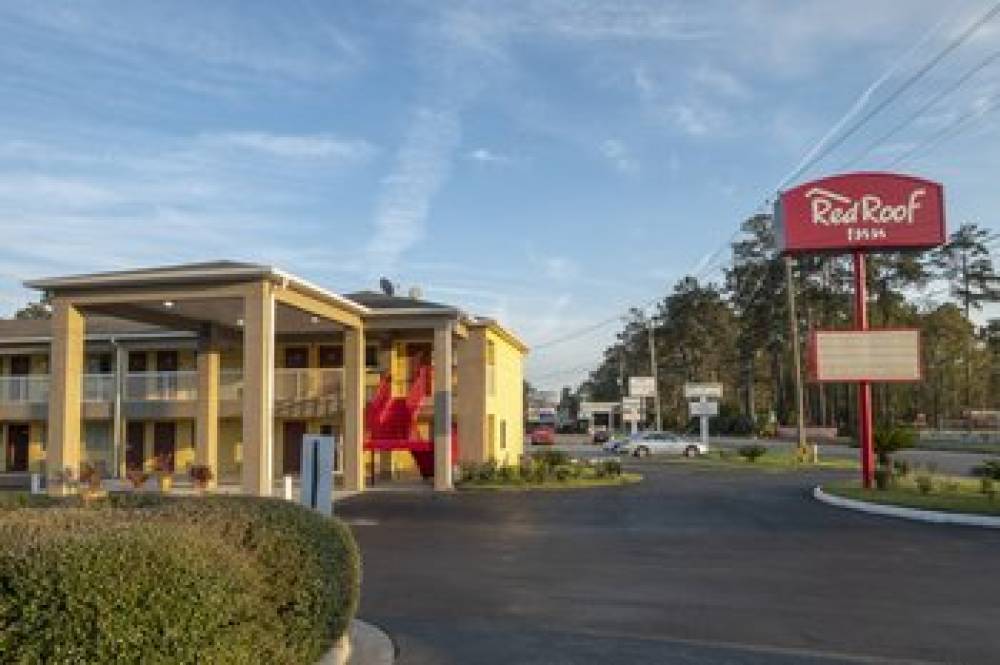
(720, 82)
(486, 156)
(310, 146)
(421, 168)
(620, 157)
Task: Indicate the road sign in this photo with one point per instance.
(641, 386)
(861, 211)
(703, 408)
(632, 409)
(889, 355)
(696, 390)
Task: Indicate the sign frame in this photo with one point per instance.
(641, 386)
(316, 472)
(861, 211)
(812, 358)
(709, 389)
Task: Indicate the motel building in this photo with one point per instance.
(229, 364)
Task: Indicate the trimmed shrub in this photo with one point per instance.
(144, 579)
(925, 483)
(552, 458)
(990, 468)
(751, 452)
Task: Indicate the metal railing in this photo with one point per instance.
(161, 386)
(27, 389)
(308, 383)
(98, 387)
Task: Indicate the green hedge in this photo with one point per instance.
(208, 580)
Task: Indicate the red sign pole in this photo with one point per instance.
(865, 433)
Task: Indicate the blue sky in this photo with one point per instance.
(548, 162)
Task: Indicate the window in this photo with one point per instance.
(491, 433)
(297, 357)
(137, 361)
(99, 363)
(503, 435)
(20, 365)
(332, 356)
(166, 361)
(371, 356)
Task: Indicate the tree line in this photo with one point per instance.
(737, 331)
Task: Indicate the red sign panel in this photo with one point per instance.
(869, 211)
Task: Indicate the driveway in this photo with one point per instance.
(691, 566)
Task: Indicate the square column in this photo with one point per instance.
(442, 408)
(206, 452)
(258, 390)
(66, 383)
(354, 410)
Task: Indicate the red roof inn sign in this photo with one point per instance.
(871, 211)
(858, 213)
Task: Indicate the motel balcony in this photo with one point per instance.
(297, 392)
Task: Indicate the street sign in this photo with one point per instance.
(632, 409)
(709, 390)
(641, 386)
(703, 408)
(316, 476)
(888, 355)
(861, 211)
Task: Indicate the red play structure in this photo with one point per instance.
(391, 422)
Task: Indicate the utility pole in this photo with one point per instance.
(801, 453)
(656, 381)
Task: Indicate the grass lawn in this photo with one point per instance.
(551, 484)
(770, 461)
(962, 495)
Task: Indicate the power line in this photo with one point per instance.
(856, 107)
(957, 41)
(948, 132)
(993, 57)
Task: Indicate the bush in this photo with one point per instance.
(219, 579)
(889, 440)
(487, 471)
(607, 468)
(901, 468)
(990, 468)
(883, 477)
(987, 487)
(552, 458)
(925, 483)
(751, 452)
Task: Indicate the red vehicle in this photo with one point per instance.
(543, 435)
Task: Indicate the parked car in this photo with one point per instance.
(543, 436)
(601, 436)
(611, 445)
(662, 443)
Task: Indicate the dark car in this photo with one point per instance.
(601, 436)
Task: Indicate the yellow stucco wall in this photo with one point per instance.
(505, 402)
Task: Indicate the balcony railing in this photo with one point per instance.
(161, 386)
(30, 389)
(289, 385)
(98, 387)
(308, 383)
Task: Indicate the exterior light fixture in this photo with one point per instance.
(168, 303)
(239, 322)
(314, 319)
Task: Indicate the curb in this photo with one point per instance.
(915, 514)
(364, 644)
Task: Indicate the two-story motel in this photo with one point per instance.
(229, 364)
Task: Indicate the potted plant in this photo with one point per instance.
(137, 477)
(201, 475)
(90, 482)
(163, 467)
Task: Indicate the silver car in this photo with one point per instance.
(661, 443)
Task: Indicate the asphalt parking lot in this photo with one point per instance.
(690, 566)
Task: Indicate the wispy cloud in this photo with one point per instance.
(620, 157)
(311, 146)
(421, 168)
(487, 156)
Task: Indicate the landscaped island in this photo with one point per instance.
(142, 578)
(947, 494)
(547, 470)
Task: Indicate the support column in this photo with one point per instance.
(63, 456)
(442, 408)
(354, 410)
(206, 452)
(258, 390)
